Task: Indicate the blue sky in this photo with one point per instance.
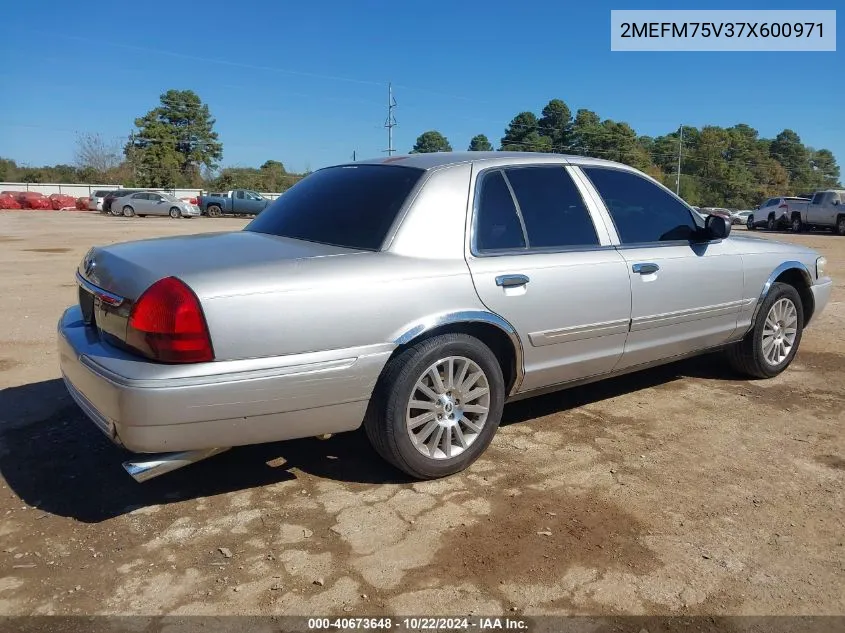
(306, 82)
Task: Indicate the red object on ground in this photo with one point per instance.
(9, 202)
(62, 201)
(82, 204)
(35, 203)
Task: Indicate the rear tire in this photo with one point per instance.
(840, 226)
(446, 432)
(128, 211)
(214, 211)
(175, 213)
(755, 355)
(771, 224)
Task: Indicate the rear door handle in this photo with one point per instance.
(645, 269)
(511, 281)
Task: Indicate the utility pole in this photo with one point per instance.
(132, 156)
(391, 120)
(680, 146)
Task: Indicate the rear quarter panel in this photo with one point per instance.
(333, 303)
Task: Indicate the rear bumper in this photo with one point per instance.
(149, 408)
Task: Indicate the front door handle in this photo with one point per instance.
(645, 269)
(511, 281)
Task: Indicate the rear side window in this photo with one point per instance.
(497, 223)
(641, 211)
(349, 206)
(552, 208)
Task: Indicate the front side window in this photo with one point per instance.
(552, 208)
(351, 206)
(642, 211)
(497, 222)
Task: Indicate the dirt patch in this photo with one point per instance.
(8, 363)
(832, 461)
(538, 535)
(48, 250)
(9, 238)
(826, 361)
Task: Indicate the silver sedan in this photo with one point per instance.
(145, 203)
(416, 295)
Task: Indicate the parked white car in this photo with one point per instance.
(95, 200)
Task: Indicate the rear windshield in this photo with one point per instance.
(350, 206)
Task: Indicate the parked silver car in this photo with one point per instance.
(416, 295)
(145, 203)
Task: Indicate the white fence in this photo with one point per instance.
(80, 190)
(75, 190)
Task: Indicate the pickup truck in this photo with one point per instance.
(236, 202)
(825, 211)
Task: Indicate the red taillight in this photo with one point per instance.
(167, 320)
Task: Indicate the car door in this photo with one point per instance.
(685, 295)
(539, 259)
(138, 201)
(153, 204)
(239, 201)
(253, 203)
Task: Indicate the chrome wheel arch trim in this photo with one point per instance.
(432, 322)
(777, 272)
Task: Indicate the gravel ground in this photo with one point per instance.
(682, 490)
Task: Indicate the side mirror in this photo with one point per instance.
(717, 227)
(836, 202)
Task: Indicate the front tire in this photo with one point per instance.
(437, 406)
(749, 223)
(128, 211)
(797, 225)
(773, 341)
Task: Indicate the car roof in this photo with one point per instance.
(435, 160)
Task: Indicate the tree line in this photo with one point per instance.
(172, 146)
(721, 167)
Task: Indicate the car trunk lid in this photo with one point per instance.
(112, 278)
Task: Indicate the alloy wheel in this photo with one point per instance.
(448, 407)
(779, 331)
